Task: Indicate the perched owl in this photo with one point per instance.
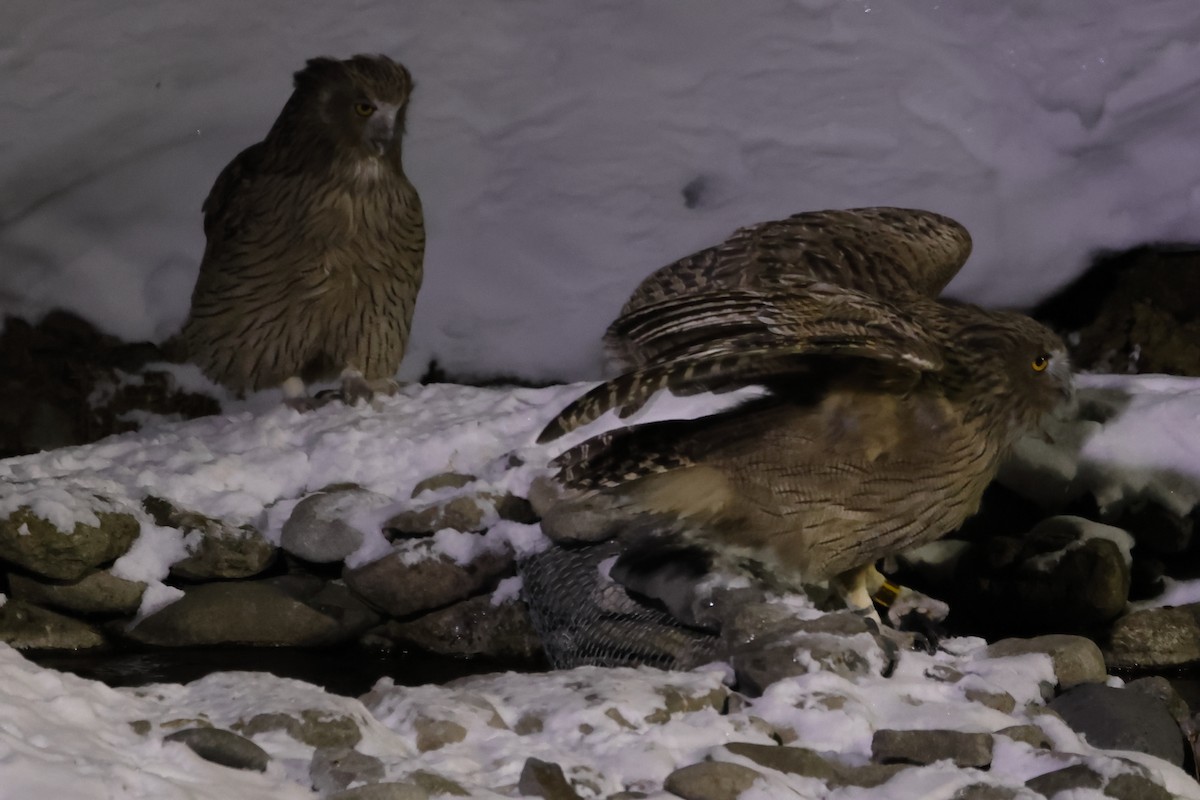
(888, 414)
(315, 241)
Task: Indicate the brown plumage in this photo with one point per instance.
(315, 240)
(888, 415)
(775, 295)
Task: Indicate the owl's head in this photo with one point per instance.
(1014, 361)
(360, 101)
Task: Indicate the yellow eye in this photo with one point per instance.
(1040, 363)
(364, 109)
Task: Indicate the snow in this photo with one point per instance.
(563, 151)
(558, 147)
(247, 464)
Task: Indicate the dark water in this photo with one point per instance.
(349, 671)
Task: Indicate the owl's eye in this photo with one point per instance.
(364, 109)
(1040, 363)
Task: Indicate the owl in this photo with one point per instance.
(887, 415)
(315, 241)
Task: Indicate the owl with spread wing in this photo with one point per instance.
(887, 414)
(315, 241)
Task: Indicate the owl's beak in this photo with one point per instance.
(381, 128)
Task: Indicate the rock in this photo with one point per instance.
(39, 547)
(95, 593)
(1132, 312)
(1031, 735)
(320, 527)
(1076, 659)
(711, 780)
(470, 513)
(1118, 719)
(401, 585)
(382, 791)
(251, 612)
(1154, 638)
(1157, 529)
(984, 791)
(1067, 574)
(811, 764)
(1127, 786)
(545, 779)
(28, 627)
(223, 747)
(927, 746)
(434, 734)
(676, 703)
(320, 729)
(1000, 701)
(445, 480)
(332, 598)
(221, 550)
(436, 784)
(66, 383)
(1135, 787)
(471, 627)
(226, 554)
(766, 643)
(1161, 688)
(335, 768)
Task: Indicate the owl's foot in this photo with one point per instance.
(911, 621)
(355, 387)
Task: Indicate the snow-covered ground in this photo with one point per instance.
(62, 736)
(554, 143)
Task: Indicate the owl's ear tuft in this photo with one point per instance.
(318, 70)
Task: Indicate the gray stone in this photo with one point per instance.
(382, 791)
(335, 768)
(1132, 785)
(28, 627)
(1135, 787)
(95, 593)
(985, 791)
(927, 746)
(401, 586)
(546, 780)
(1031, 735)
(810, 764)
(223, 747)
(320, 729)
(1160, 687)
(39, 547)
(711, 780)
(470, 513)
(1076, 659)
(445, 480)
(434, 734)
(1118, 719)
(332, 598)
(251, 612)
(471, 627)
(1154, 638)
(222, 552)
(1003, 702)
(1158, 529)
(317, 529)
(436, 784)
(230, 553)
(767, 643)
(1076, 776)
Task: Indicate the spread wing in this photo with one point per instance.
(885, 253)
(723, 340)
